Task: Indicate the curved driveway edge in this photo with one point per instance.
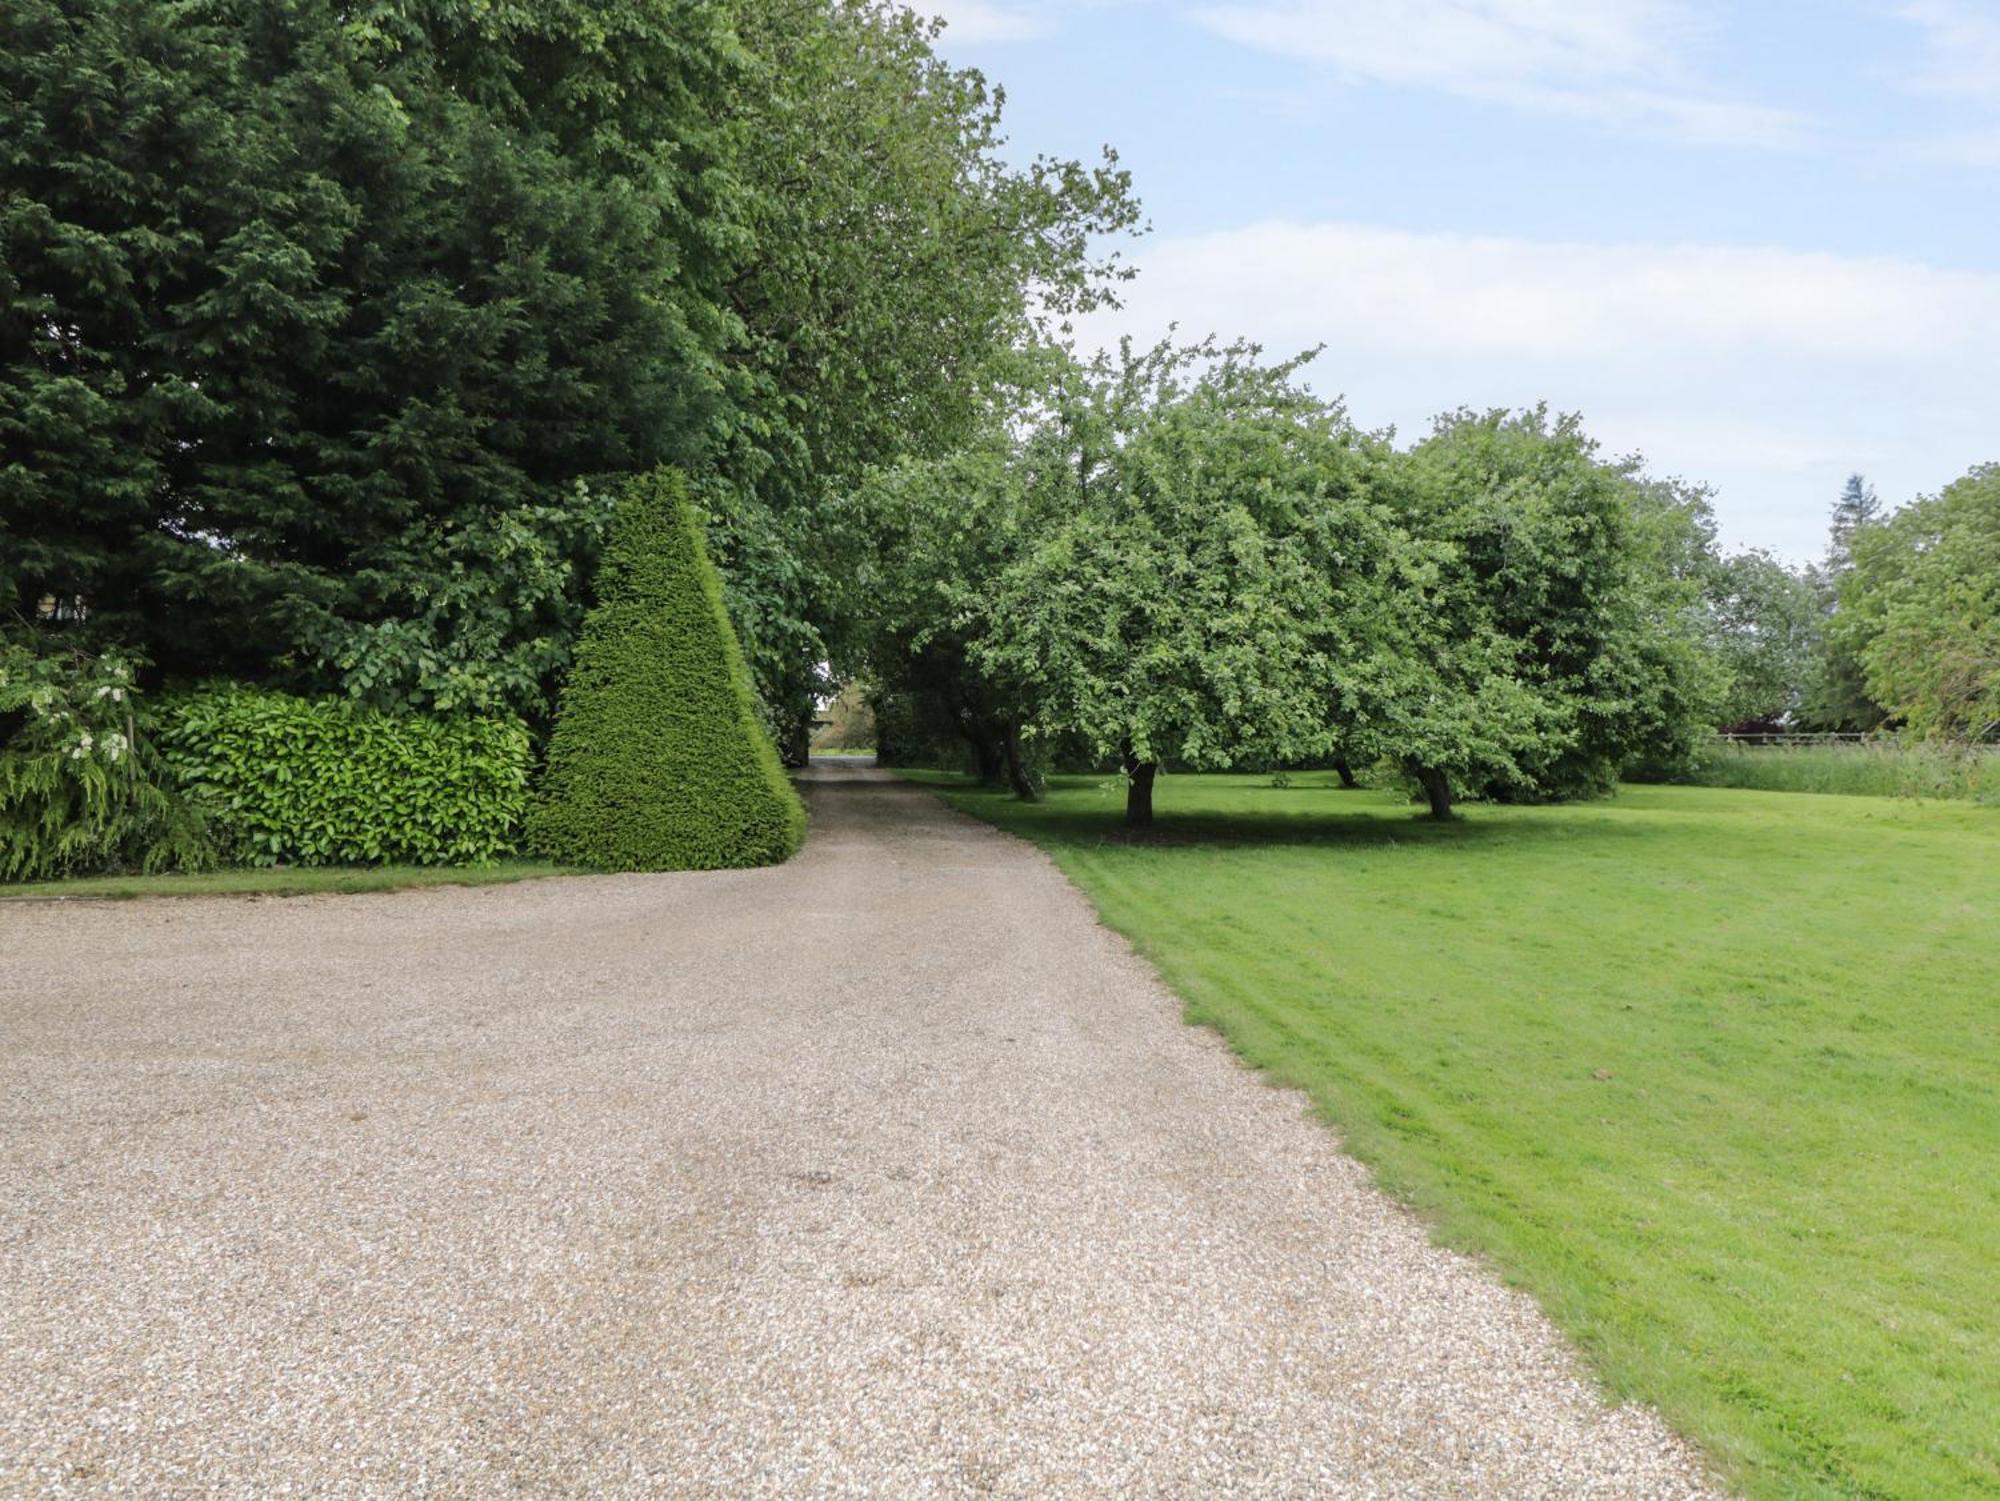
(887, 1172)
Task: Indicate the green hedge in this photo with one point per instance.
(659, 760)
(295, 781)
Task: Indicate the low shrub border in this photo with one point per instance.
(296, 781)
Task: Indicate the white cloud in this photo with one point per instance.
(1968, 148)
(1962, 46)
(1769, 372)
(1961, 65)
(1383, 288)
(985, 20)
(1731, 443)
(1624, 62)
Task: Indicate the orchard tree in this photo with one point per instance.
(1571, 623)
(1432, 688)
(1178, 608)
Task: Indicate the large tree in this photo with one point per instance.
(1857, 508)
(946, 528)
(897, 259)
(1920, 609)
(314, 318)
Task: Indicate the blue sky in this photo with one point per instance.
(1759, 243)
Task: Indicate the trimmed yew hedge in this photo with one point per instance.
(658, 760)
(281, 780)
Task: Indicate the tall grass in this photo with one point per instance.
(1864, 768)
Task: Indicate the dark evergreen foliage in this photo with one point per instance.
(304, 310)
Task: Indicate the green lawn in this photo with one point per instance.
(287, 880)
(1715, 1074)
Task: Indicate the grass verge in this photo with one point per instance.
(1714, 1074)
(289, 880)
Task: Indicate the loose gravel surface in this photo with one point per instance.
(887, 1173)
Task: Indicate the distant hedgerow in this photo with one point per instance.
(296, 781)
(659, 760)
(1884, 766)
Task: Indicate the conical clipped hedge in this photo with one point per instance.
(659, 761)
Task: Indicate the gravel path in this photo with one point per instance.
(887, 1173)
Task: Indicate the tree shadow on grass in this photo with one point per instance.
(1190, 830)
(1308, 823)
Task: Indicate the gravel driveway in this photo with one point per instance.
(887, 1173)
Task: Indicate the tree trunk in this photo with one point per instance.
(987, 761)
(1437, 789)
(1139, 791)
(1017, 773)
(1346, 774)
(796, 751)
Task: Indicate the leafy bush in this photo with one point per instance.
(286, 780)
(1885, 767)
(659, 760)
(81, 787)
